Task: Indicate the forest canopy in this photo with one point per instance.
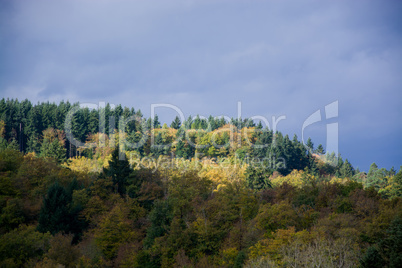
(133, 192)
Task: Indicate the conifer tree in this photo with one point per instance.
(176, 124)
(157, 148)
(373, 170)
(320, 149)
(310, 144)
(54, 214)
(53, 145)
(160, 218)
(372, 259)
(155, 122)
(119, 170)
(258, 178)
(347, 170)
(397, 187)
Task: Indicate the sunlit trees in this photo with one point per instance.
(218, 195)
(396, 190)
(176, 124)
(53, 144)
(347, 169)
(320, 149)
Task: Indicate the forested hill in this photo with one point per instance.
(110, 188)
(34, 128)
(47, 129)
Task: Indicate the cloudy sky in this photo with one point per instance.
(277, 58)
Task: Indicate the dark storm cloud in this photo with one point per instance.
(277, 58)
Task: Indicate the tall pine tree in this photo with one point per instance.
(119, 170)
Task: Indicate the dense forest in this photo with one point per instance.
(108, 187)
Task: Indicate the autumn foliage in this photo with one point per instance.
(179, 205)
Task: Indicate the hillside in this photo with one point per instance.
(198, 193)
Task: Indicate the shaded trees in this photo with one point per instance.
(58, 214)
(257, 178)
(21, 245)
(119, 170)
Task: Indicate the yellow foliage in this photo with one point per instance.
(273, 247)
(224, 172)
(30, 155)
(272, 217)
(51, 134)
(2, 128)
(215, 175)
(294, 178)
(259, 249)
(114, 230)
(389, 188)
(134, 158)
(249, 135)
(229, 256)
(339, 180)
(83, 164)
(166, 132)
(101, 146)
(104, 162)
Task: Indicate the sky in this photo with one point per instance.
(279, 60)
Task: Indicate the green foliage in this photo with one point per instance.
(347, 170)
(396, 190)
(57, 213)
(21, 245)
(176, 124)
(12, 215)
(160, 218)
(391, 245)
(215, 208)
(184, 149)
(155, 122)
(240, 258)
(307, 195)
(53, 149)
(115, 229)
(258, 178)
(159, 147)
(185, 218)
(277, 216)
(10, 160)
(320, 149)
(54, 213)
(310, 144)
(376, 177)
(62, 252)
(146, 186)
(372, 259)
(119, 170)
